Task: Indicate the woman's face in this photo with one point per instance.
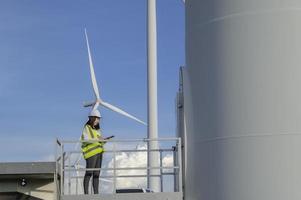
(96, 121)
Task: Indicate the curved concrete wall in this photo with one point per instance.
(243, 110)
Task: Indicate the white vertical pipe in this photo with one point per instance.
(153, 158)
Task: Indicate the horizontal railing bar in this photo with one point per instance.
(120, 169)
(121, 140)
(169, 174)
(120, 176)
(124, 151)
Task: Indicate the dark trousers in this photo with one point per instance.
(92, 162)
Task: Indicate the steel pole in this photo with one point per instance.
(153, 157)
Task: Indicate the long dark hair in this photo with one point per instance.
(91, 122)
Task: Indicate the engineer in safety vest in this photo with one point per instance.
(92, 152)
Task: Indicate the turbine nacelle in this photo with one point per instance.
(91, 103)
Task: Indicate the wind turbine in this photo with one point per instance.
(98, 101)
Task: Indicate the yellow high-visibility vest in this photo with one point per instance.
(91, 149)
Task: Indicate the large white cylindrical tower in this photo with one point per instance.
(242, 99)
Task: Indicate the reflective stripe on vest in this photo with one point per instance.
(91, 149)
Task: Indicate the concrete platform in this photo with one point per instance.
(128, 196)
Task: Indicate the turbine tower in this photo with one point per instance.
(152, 131)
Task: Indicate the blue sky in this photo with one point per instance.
(44, 71)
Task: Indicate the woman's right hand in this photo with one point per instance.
(110, 137)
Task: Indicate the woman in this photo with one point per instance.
(92, 152)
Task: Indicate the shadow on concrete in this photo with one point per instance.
(16, 196)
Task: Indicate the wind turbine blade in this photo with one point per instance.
(87, 104)
(118, 110)
(93, 78)
(95, 107)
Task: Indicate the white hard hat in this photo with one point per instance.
(95, 113)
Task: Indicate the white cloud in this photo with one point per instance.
(167, 161)
(130, 160)
(137, 160)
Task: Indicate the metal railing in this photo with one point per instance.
(69, 156)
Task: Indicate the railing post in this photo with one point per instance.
(62, 169)
(57, 191)
(114, 166)
(175, 161)
(69, 173)
(180, 165)
(161, 171)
